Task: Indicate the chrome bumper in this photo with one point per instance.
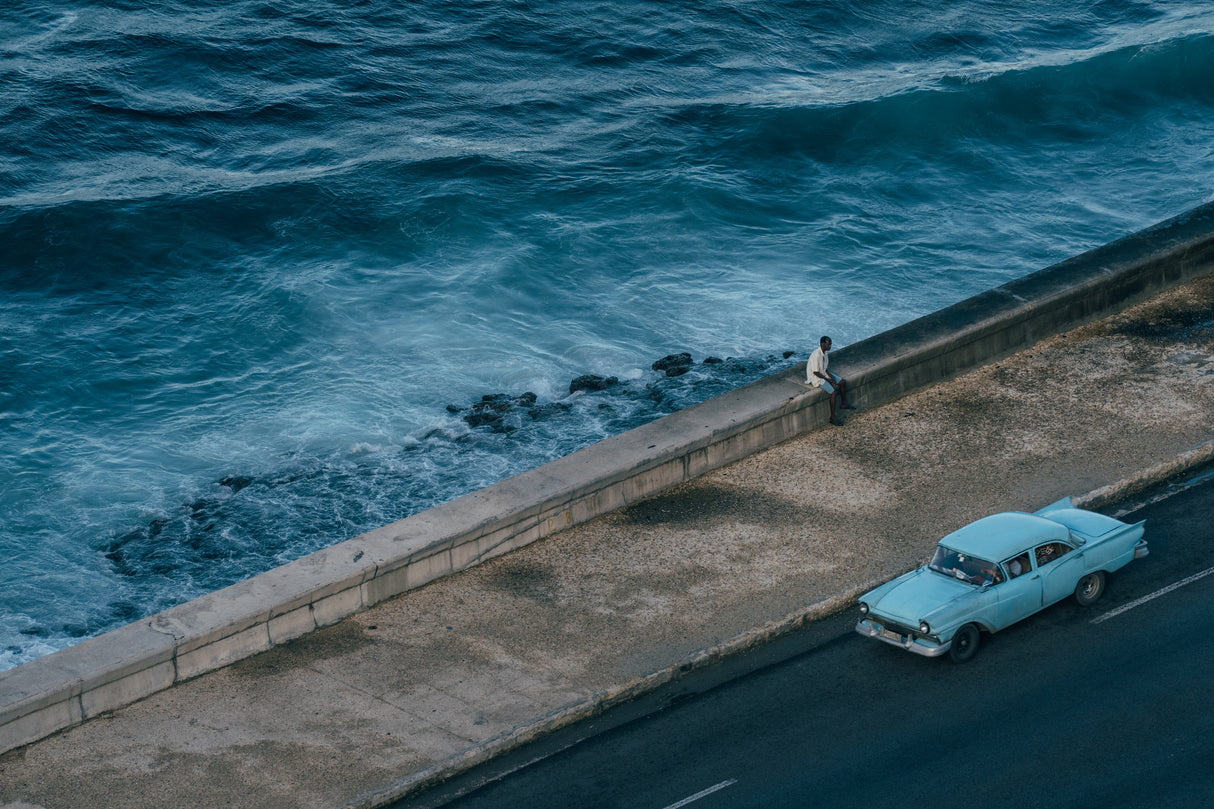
(911, 643)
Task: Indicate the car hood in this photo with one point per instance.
(914, 596)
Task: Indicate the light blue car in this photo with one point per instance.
(996, 571)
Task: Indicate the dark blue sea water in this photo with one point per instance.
(260, 259)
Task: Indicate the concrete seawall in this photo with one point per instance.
(120, 667)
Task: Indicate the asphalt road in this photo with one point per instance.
(1106, 706)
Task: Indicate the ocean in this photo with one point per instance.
(274, 273)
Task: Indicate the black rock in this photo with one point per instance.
(679, 363)
(497, 402)
(494, 409)
(483, 418)
(592, 382)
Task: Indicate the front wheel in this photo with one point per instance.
(965, 644)
(1089, 588)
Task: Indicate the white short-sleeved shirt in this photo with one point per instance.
(818, 361)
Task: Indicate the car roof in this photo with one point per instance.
(1002, 535)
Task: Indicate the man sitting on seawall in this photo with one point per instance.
(817, 375)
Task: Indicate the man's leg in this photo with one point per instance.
(831, 392)
(843, 394)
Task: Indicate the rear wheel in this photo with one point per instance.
(1089, 588)
(965, 643)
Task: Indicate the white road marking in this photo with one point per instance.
(1152, 596)
(703, 793)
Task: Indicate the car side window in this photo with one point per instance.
(1018, 566)
(1050, 551)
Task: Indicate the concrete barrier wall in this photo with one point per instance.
(120, 667)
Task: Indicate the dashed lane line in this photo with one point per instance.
(703, 793)
(1139, 602)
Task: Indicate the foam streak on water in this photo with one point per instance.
(258, 260)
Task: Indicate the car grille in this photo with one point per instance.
(893, 626)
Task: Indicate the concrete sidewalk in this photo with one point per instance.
(441, 677)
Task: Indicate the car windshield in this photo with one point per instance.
(965, 567)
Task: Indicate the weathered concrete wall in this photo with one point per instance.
(120, 667)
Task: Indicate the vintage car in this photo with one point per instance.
(996, 571)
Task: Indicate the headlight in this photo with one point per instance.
(925, 628)
(863, 608)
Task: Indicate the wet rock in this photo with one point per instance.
(484, 419)
(592, 382)
(674, 364)
(493, 408)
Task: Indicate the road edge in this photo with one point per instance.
(1185, 463)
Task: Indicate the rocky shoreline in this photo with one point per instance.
(495, 410)
(237, 527)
